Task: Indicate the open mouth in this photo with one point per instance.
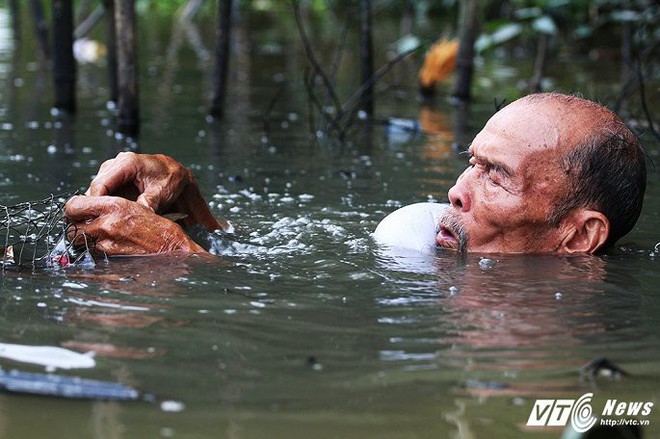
(451, 233)
(446, 238)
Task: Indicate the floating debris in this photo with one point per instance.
(60, 261)
(348, 175)
(49, 356)
(63, 255)
(396, 125)
(485, 384)
(486, 264)
(60, 256)
(439, 63)
(172, 406)
(656, 251)
(313, 363)
(65, 387)
(603, 367)
(7, 254)
(85, 260)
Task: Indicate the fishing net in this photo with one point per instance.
(34, 234)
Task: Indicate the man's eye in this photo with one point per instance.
(493, 177)
(486, 170)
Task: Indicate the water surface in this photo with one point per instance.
(303, 328)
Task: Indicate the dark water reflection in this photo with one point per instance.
(304, 328)
(503, 318)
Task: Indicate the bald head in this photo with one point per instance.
(580, 115)
(601, 157)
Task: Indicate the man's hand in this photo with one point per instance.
(157, 182)
(118, 226)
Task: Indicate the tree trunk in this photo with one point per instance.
(111, 44)
(64, 64)
(128, 117)
(40, 27)
(465, 58)
(222, 54)
(367, 58)
(15, 19)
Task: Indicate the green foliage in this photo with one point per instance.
(168, 7)
(503, 33)
(163, 6)
(574, 20)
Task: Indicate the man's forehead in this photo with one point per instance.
(521, 130)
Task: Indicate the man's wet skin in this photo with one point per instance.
(516, 179)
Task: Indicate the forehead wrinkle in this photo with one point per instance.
(493, 162)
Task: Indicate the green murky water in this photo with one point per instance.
(303, 329)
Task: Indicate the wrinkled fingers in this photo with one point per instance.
(114, 174)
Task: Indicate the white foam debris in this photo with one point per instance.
(49, 356)
(172, 406)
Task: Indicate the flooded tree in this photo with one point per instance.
(111, 43)
(40, 27)
(465, 59)
(222, 55)
(536, 31)
(367, 57)
(128, 116)
(64, 64)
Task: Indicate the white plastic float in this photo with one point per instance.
(410, 229)
(406, 238)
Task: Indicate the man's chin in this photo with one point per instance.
(451, 249)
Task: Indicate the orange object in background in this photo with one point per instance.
(438, 65)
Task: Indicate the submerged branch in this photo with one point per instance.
(339, 120)
(89, 22)
(313, 99)
(337, 62)
(353, 104)
(310, 106)
(312, 58)
(269, 109)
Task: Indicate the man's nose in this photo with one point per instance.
(459, 195)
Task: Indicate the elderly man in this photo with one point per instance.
(549, 173)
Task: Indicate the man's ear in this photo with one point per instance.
(585, 231)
